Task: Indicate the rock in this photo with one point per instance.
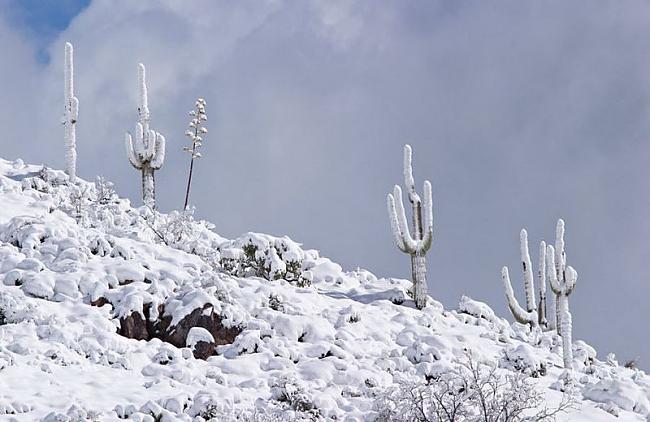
(203, 350)
(201, 317)
(206, 327)
(134, 326)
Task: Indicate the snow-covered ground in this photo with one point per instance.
(290, 333)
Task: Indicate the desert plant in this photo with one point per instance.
(563, 280)
(71, 113)
(535, 313)
(468, 391)
(146, 147)
(195, 134)
(418, 244)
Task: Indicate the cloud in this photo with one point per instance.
(518, 112)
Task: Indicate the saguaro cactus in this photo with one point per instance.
(419, 243)
(563, 280)
(146, 148)
(70, 115)
(534, 314)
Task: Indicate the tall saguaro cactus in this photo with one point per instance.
(563, 280)
(420, 241)
(70, 115)
(534, 314)
(146, 148)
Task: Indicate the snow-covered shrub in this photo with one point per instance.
(264, 256)
(105, 191)
(469, 391)
(289, 393)
(523, 358)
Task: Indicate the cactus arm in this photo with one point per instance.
(130, 153)
(159, 154)
(394, 224)
(560, 254)
(409, 243)
(522, 316)
(528, 273)
(149, 144)
(138, 143)
(571, 280)
(427, 238)
(552, 275)
(409, 181)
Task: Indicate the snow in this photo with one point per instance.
(323, 346)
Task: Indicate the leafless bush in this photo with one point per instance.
(469, 392)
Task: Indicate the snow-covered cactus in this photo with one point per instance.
(145, 148)
(419, 243)
(563, 281)
(71, 113)
(534, 314)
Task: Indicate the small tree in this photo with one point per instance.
(146, 148)
(70, 115)
(194, 133)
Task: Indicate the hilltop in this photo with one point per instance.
(109, 312)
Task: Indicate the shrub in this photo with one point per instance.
(468, 392)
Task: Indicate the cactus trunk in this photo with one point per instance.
(148, 187)
(566, 327)
(419, 277)
(71, 113)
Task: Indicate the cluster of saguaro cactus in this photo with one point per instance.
(418, 243)
(146, 147)
(70, 115)
(562, 279)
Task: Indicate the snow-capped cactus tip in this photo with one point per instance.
(420, 241)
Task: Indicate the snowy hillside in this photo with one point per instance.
(109, 312)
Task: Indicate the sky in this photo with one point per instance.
(518, 112)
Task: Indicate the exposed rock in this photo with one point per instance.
(203, 350)
(201, 317)
(136, 327)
